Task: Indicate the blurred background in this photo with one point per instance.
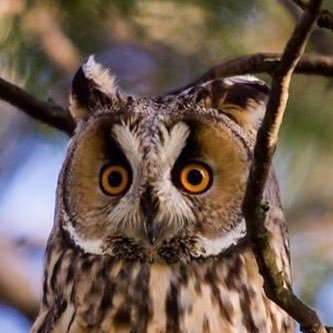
(153, 46)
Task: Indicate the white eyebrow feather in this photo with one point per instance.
(130, 144)
(174, 142)
(175, 209)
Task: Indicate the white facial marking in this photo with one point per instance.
(128, 209)
(94, 246)
(174, 142)
(174, 207)
(212, 247)
(130, 145)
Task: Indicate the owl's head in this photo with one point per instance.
(158, 179)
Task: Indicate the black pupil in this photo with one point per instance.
(115, 178)
(194, 177)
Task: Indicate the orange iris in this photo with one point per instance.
(114, 179)
(195, 177)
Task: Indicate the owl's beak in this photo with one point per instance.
(149, 211)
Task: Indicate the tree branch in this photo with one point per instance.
(61, 119)
(253, 207)
(311, 64)
(47, 112)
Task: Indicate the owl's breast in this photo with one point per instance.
(99, 294)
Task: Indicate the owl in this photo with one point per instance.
(149, 235)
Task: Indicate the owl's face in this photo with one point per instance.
(158, 179)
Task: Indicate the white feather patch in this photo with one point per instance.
(130, 144)
(128, 208)
(174, 142)
(212, 247)
(127, 211)
(93, 246)
(241, 79)
(102, 76)
(174, 208)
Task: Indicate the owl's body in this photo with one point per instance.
(149, 234)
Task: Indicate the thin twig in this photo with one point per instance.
(325, 19)
(254, 211)
(47, 112)
(320, 40)
(311, 64)
(301, 3)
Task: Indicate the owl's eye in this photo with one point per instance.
(115, 179)
(195, 177)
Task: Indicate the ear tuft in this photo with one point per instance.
(94, 87)
(103, 78)
(242, 98)
(80, 88)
